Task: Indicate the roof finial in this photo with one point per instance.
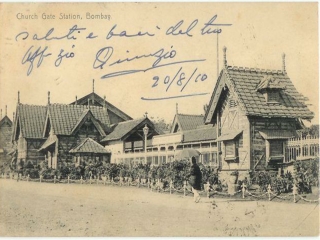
(13, 117)
(48, 97)
(1, 114)
(146, 115)
(76, 100)
(6, 110)
(284, 62)
(104, 101)
(225, 56)
(177, 108)
(18, 97)
(93, 85)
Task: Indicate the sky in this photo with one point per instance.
(255, 34)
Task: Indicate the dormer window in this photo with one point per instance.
(270, 87)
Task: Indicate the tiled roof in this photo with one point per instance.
(32, 119)
(64, 117)
(200, 134)
(245, 81)
(188, 122)
(123, 128)
(89, 146)
(100, 100)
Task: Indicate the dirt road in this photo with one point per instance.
(44, 209)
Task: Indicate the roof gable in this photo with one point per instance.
(6, 121)
(244, 82)
(30, 119)
(96, 100)
(88, 116)
(65, 118)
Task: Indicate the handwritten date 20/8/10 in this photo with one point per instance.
(179, 78)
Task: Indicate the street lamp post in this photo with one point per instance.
(145, 132)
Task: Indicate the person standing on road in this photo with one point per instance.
(195, 179)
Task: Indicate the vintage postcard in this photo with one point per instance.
(159, 119)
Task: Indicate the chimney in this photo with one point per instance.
(146, 115)
(284, 63)
(93, 85)
(18, 97)
(48, 97)
(225, 57)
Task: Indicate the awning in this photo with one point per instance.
(229, 135)
(51, 140)
(278, 134)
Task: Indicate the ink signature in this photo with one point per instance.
(34, 57)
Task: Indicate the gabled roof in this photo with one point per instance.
(5, 121)
(85, 115)
(244, 82)
(64, 118)
(101, 102)
(89, 146)
(50, 140)
(187, 121)
(123, 128)
(31, 119)
(200, 134)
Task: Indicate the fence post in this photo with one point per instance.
(28, 178)
(148, 182)
(104, 180)
(90, 179)
(243, 189)
(269, 192)
(54, 179)
(294, 191)
(40, 178)
(97, 179)
(68, 179)
(112, 181)
(208, 189)
(81, 180)
(170, 186)
(184, 188)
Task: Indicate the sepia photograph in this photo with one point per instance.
(167, 119)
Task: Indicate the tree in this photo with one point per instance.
(161, 124)
(313, 130)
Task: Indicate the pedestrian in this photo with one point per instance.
(195, 179)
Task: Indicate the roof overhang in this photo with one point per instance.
(278, 134)
(229, 135)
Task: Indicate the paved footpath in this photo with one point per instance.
(46, 209)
